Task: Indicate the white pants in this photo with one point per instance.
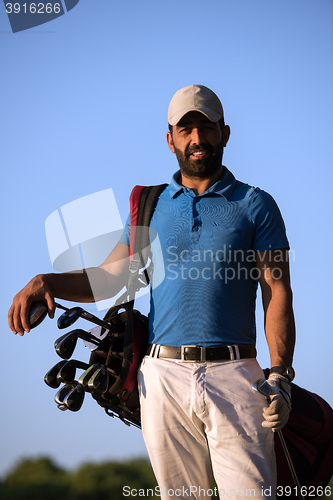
(200, 419)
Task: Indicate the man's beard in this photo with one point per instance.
(200, 169)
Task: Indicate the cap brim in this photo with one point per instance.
(213, 116)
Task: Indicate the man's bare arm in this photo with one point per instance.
(274, 277)
(88, 285)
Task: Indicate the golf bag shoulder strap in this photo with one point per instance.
(143, 200)
(142, 203)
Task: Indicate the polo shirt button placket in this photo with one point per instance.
(196, 222)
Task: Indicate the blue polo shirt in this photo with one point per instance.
(209, 242)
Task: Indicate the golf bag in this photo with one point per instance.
(121, 353)
(309, 438)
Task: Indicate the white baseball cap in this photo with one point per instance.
(194, 98)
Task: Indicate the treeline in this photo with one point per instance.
(42, 479)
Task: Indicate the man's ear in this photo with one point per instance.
(226, 135)
(170, 141)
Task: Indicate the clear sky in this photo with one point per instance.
(84, 108)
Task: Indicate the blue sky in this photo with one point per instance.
(84, 108)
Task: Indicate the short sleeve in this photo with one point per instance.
(269, 227)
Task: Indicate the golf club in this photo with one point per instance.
(264, 388)
(99, 381)
(74, 398)
(65, 347)
(67, 371)
(61, 395)
(38, 312)
(56, 342)
(51, 376)
(85, 377)
(71, 315)
(86, 336)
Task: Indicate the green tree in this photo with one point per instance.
(42, 479)
(39, 470)
(108, 479)
(38, 479)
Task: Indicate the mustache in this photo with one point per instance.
(207, 148)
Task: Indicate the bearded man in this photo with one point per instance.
(220, 238)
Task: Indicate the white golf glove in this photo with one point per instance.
(277, 414)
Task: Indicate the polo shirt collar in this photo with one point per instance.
(223, 187)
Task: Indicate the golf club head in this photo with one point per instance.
(69, 317)
(65, 345)
(85, 377)
(87, 336)
(74, 398)
(59, 398)
(67, 372)
(99, 381)
(37, 313)
(262, 387)
(60, 339)
(50, 378)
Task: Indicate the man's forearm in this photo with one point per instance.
(280, 327)
(88, 285)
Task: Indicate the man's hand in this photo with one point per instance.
(277, 414)
(36, 290)
(107, 280)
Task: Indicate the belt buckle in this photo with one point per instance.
(198, 359)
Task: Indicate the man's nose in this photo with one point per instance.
(196, 136)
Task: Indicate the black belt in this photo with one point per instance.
(197, 354)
